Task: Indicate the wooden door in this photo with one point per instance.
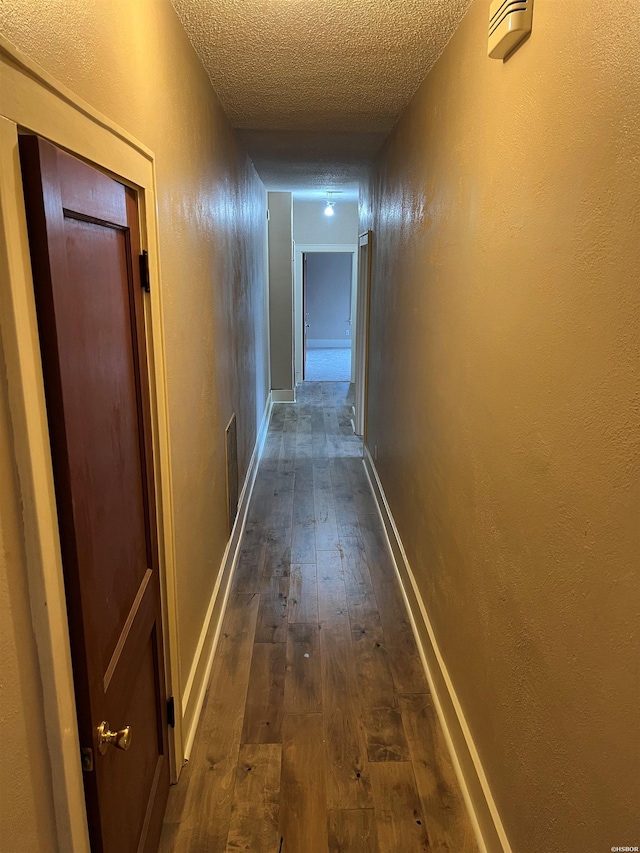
(84, 241)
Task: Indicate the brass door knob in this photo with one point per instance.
(120, 739)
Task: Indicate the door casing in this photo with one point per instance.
(362, 335)
(31, 100)
(300, 249)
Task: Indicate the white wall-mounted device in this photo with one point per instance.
(510, 22)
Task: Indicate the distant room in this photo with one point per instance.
(327, 316)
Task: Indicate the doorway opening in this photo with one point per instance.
(82, 222)
(327, 301)
(328, 308)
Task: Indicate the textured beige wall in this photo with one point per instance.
(310, 225)
(134, 62)
(281, 290)
(504, 403)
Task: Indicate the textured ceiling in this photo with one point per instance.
(314, 86)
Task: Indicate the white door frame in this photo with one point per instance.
(362, 335)
(300, 249)
(32, 100)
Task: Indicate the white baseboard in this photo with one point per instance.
(198, 680)
(321, 343)
(482, 809)
(283, 396)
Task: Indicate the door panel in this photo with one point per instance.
(132, 773)
(83, 234)
(103, 438)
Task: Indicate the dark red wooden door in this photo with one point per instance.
(83, 234)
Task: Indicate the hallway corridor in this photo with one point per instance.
(318, 733)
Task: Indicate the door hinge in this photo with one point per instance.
(144, 271)
(86, 758)
(171, 712)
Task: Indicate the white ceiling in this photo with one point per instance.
(314, 86)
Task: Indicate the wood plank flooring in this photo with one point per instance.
(318, 733)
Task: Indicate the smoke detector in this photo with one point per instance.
(510, 22)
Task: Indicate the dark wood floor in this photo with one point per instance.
(318, 733)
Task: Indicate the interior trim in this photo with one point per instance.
(280, 396)
(328, 343)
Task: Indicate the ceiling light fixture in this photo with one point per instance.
(329, 211)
